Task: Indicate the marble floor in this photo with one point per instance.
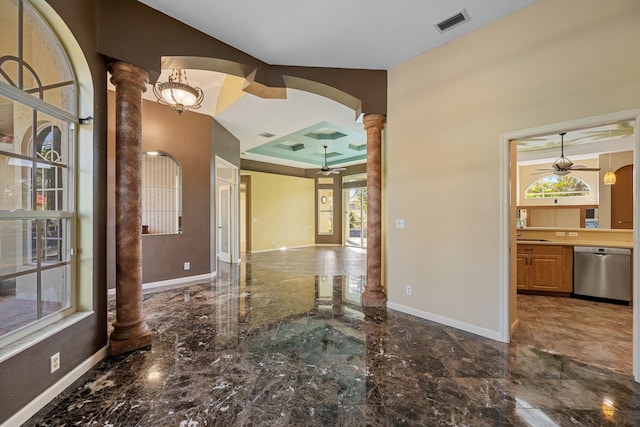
(281, 341)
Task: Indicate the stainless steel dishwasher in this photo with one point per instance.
(602, 273)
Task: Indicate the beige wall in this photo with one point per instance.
(282, 211)
(554, 61)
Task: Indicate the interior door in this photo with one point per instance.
(225, 225)
(622, 199)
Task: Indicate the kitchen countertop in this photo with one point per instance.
(549, 242)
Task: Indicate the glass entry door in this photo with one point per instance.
(356, 217)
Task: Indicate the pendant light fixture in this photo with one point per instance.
(609, 177)
(177, 93)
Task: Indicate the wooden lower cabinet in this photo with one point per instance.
(546, 268)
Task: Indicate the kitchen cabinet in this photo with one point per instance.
(545, 268)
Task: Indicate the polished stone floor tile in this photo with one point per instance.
(282, 341)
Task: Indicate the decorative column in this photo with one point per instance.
(130, 330)
(373, 295)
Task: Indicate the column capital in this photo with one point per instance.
(374, 121)
(133, 75)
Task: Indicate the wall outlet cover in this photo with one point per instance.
(54, 362)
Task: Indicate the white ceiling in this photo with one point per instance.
(366, 34)
(370, 34)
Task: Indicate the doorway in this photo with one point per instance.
(509, 183)
(227, 232)
(355, 201)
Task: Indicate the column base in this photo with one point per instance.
(129, 336)
(118, 347)
(374, 299)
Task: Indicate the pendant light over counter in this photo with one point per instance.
(609, 177)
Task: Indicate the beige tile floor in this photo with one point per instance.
(595, 333)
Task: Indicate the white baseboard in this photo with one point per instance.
(48, 395)
(163, 285)
(487, 333)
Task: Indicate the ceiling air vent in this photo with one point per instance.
(454, 21)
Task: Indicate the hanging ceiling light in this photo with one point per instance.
(177, 93)
(609, 177)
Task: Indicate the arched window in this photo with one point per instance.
(554, 186)
(38, 113)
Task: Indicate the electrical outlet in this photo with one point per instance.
(187, 265)
(559, 233)
(409, 290)
(573, 234)
(400, 224)
(54, 362)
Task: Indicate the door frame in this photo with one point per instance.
(507, 231)
(233, 229)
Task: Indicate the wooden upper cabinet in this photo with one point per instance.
(545, 268)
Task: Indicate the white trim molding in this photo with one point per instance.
(164, 285)
(467, 327)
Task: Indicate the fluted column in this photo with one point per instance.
(374, 295)
(130, 329)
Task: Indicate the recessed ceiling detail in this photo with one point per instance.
(358, 147)
(330, 155)
(290, 145)
(326, 134)
(306, 146)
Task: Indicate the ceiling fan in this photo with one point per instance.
(326, 170)
(562, 165)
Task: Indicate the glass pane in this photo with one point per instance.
(18, 302)
(15, 176)
(361, 177)
(47, 64)
(325, 200)
(15, 127)
(8, 40)
(325, 181)
(15, 247)
(54, 247)
(325, 222)
(325, 211)
(224, 220)
(55, 290)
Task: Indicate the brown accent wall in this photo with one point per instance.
(193, 139)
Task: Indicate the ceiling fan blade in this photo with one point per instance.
(583, 168)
